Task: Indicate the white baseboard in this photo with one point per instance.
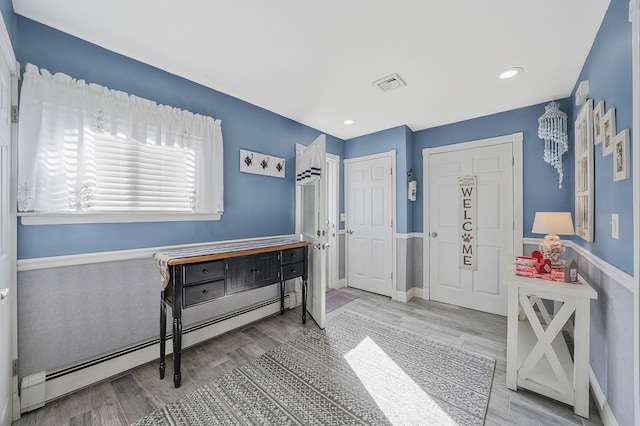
(340, 284)
(72, 378)
(606, 415)
(404, 297)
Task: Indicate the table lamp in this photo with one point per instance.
(553, 224)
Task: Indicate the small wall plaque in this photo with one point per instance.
(261, 164)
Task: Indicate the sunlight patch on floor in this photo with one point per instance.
(401, 400)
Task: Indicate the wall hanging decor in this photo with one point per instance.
(552, 128)
(467, 219)
(261, 164)
(584, 172)
(608, 131)
(621, 157)
(598, 113)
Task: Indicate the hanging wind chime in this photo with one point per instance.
(552, 128)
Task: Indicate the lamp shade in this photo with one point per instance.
(559, 223)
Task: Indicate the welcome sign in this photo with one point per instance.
(467, 218)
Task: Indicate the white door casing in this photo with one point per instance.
(8, 313)
(333, 191)
(312, 226)
(497, 164)
(370, 211)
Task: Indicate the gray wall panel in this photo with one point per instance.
(342, 257)
(401, 264)
(71, 313)
(410, 279)
(611, 349)
(418, 262)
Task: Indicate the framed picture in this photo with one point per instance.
(598, 113)
(608, 131)
(584, 176)
(621, 155)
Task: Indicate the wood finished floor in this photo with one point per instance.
(130, 396)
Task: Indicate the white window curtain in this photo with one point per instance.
(85, 148)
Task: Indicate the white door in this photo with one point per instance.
(369, 209)
(482, 288)
(311, 221)
(7, 293)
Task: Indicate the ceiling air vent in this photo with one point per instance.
(390, 82)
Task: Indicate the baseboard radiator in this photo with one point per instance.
(45, 386)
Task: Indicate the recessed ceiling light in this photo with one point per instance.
(349, 121)
(510, 73)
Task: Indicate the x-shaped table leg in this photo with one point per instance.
(545, 337)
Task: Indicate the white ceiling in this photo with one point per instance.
(314, 61)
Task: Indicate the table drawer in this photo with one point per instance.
(292, 270)
(199, 293)
(292, 255)
(197, 272)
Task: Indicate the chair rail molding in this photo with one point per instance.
(119, 255)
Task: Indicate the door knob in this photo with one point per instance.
(349, 231)
(434, 235)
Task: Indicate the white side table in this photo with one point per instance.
(538, 358)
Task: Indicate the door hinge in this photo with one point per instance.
(513, 161)
(14, 368)
(391, 275)
(392, 223)
(14, 113)
(391, 172)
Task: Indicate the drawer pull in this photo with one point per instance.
(205, 272)
(293, 270)
(255, 271)
(205, 291)
(293, 255)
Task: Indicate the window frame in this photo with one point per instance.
(112, 217)
(101, 111)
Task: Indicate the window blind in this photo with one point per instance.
(84, 148)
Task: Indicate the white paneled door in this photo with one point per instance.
(492, 167)
(370, 223)
(6, 252)
(312, 225)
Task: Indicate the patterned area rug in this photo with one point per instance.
(357, 371)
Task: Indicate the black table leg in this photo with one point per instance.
(163, 334)
(304, 301)
(177, 350)
(281, 297)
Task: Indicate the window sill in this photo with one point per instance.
(114, 217)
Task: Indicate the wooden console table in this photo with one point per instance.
(538, 358)
(192, 277)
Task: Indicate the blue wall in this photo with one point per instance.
(259, 206)
(255, 206)
(608, 69)
(540, 186)
(400, 140)
(6, 7)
